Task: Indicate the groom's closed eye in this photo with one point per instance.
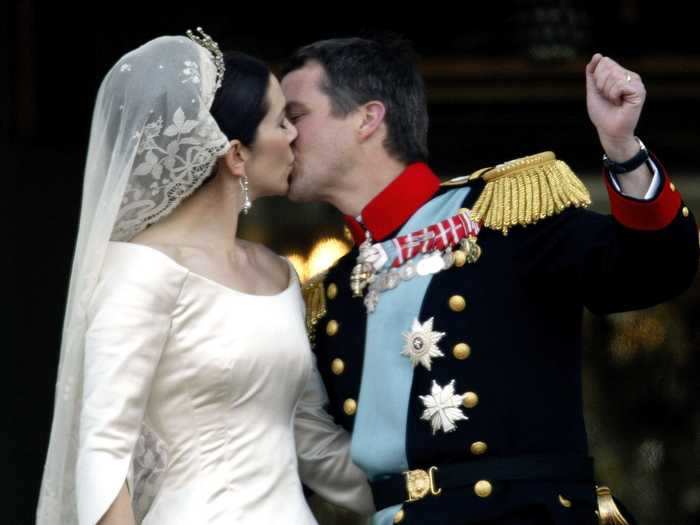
(295, 110)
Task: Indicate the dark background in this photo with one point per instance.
(504, 79)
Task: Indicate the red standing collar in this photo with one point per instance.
(395, 204)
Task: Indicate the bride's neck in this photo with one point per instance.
(206, 219)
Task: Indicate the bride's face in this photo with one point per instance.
(271, 157)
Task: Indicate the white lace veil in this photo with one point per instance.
(153, 141)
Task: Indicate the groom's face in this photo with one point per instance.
(324, 145)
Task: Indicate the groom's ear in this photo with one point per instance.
(372, 116)
(236, 157)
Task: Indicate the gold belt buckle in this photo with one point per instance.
(420, 483)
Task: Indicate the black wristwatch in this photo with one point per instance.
(618, 168)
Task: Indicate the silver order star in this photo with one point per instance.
(443, 407)
(421, 343)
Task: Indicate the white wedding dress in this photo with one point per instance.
(207, 399)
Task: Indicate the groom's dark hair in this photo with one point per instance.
(358, 70)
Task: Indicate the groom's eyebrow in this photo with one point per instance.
(294, 106)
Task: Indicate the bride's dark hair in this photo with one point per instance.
(240, 103)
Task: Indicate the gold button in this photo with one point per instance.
(478, 448)
(470, 399)
(673, 188)
(460, 258)
(483, 488)
(337, 366)
(461, 350)
(457, 303)
(564, 502)
(332, 327)
(686, 211)
(332, 291)
(398, 517)
(350, 407)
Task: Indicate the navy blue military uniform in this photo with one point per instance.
(509, 331)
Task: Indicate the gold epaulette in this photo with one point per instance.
(464, 179)
(526, 190)
(314, 293)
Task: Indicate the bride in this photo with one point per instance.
(187, 392)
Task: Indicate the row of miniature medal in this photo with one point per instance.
(379, 272)
(428, 265)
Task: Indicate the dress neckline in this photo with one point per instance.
(292, 273)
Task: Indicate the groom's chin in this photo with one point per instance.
(296, 197)
(294, 193)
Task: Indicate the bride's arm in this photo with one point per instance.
(128, 319)
(323, 451)
(120, 512)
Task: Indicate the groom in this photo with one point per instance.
(449, 338)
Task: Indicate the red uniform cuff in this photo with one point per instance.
(653, 214)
